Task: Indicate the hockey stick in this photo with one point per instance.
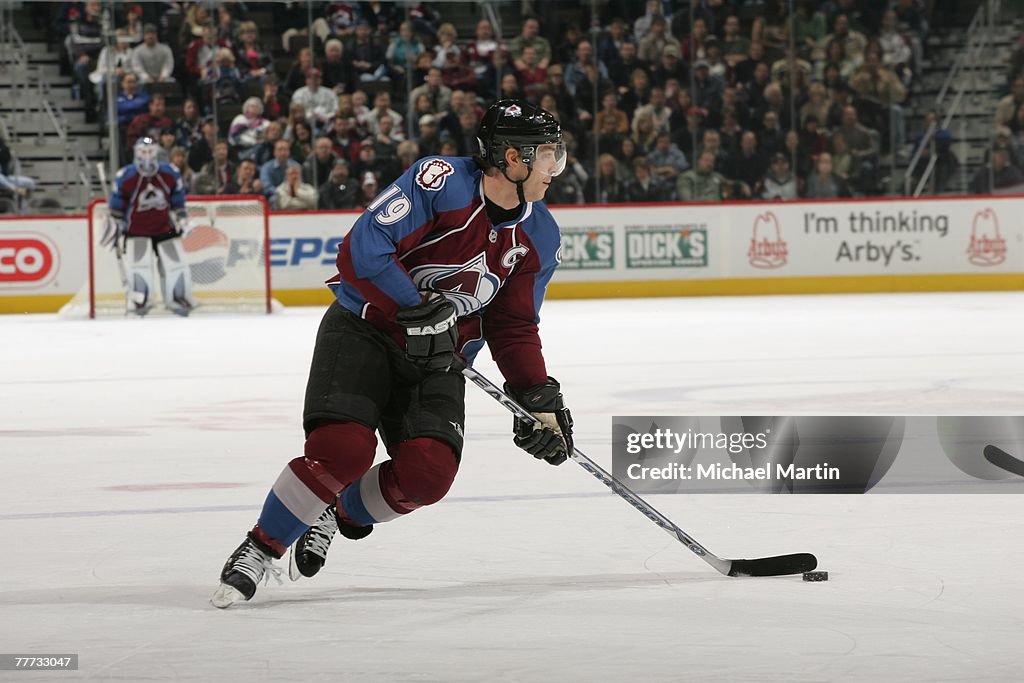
(779, 565)
(102, 172)
(1000, 458)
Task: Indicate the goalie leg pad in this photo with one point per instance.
(176, 279)
(139, 255)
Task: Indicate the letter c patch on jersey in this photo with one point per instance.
(513, 255)
(433, 173)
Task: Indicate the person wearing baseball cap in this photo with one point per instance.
(707, 89)
(669, 65)
(367, 189)
(428, 140)
(779, 181)
(152, 61)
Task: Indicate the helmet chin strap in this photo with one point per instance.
(518, 183)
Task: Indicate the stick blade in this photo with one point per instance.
(1000, 458)
(780, 565)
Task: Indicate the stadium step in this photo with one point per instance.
(1002, 36)
(48, 70)
(57, 93)
(74, 123)
(52, 148)
(14, 109)
(9, 86)
(36, 50)
(51, 170)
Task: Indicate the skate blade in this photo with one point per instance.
(225, 596)
(293, 569)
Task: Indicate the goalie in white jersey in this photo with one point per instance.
(147, 208)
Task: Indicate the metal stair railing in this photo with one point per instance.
(47, 109)
(979, 38)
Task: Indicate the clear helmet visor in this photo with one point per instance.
(549, 159)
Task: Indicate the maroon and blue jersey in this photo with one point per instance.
(429, 231)
(147, 201)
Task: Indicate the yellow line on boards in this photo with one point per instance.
(40, 303)
(841, 284)
(304, 297)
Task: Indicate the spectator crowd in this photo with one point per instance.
(731, 99)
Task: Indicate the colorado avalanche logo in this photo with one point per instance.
(433, 173)
(151, 198)
(514, 110)
(469, 286)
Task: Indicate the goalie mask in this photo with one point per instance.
(534, 132)
(147, 156)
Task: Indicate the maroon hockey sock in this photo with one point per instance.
(419, 473)
(336, 454)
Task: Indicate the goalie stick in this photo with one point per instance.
(779, 565)
(118, 239)
(1000, 458)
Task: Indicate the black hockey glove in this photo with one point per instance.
(551, 438)
(431, 333)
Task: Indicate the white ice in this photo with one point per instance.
(134, 455)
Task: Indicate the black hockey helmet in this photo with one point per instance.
(519, 124)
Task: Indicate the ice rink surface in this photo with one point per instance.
(135, 454)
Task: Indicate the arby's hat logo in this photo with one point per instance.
(987, 246)
(767, 248)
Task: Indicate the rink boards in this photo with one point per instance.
(936, 244)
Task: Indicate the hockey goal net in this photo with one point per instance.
(227, 250)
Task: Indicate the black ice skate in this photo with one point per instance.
(309, 554)
(247, 566)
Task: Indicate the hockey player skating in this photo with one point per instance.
(455, 253)
(147, 210)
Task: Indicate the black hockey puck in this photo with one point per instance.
(815, 576)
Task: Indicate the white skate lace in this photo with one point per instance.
(275, 571)
(320, 535)
(257, 565)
